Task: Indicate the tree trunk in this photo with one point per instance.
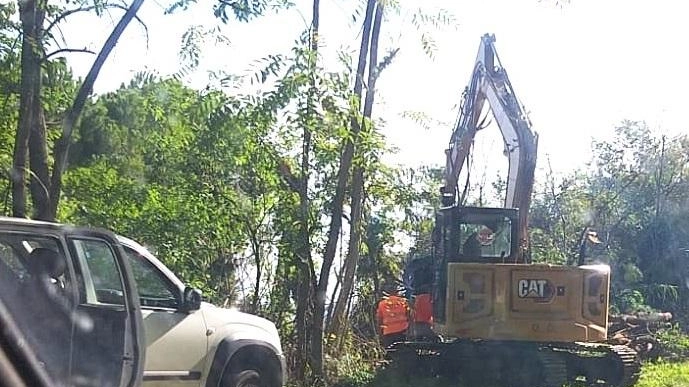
(32, 16)
(39, 179)
(377, 293)
(305, 343)
(256, 246)
(338, 202)
(336, 290)
(62, 145)
(347, 155)
(339, 316)
(301, 323)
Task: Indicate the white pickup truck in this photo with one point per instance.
(100, 310)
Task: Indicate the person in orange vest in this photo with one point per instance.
(393, 318)
(422, 316)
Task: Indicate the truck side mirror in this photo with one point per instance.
(192, 299)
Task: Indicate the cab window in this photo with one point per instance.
(486, 238)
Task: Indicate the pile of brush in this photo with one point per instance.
(639, 331)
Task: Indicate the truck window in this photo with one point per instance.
(155, 290)
(102, 279)
(10, 263)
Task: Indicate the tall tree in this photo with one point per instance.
(338, 201)
(31, 139)
(357, 185)
(31, 120)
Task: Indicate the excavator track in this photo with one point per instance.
(521, 364)
(627, 365)
(602, 364)
(554, 368)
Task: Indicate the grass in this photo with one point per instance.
(664, 375)
(659, 374)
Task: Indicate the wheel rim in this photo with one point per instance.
(251, 382)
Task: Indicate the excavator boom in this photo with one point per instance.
(490, 83)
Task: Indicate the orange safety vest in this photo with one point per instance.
(393, 314)
(423, 308)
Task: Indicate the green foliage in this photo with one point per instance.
(664, 375)
(674, 342)
(356, 364)
(425, 23)
(392, 376)
(631, 301)
(633, 196)
(242, 10)
(178, 170)
(545, 248)
(9, 90)
(559, 212)
(245, 10)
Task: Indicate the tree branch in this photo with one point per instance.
(288, 176)
(62, 36)
(62, 145)
(70, 12)
(65, 14)
(63, 50)
(386, 61)
(137, 18)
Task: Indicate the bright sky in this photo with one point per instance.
(579, 68)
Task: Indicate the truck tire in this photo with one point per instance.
(246, 378)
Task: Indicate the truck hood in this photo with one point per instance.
(240, 324)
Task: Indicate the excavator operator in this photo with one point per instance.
(393, 318)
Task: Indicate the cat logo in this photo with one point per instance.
(537, 289)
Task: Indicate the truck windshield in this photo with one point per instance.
(485, 237)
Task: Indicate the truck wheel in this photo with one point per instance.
(246, 378)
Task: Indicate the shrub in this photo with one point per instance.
(674, 343)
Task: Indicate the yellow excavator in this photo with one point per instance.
(497, 315)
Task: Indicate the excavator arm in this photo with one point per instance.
(489, 83)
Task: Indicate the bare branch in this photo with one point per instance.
(70, 12)
(62, 36)
(64, 50)
(17, 28)
(67, 13)
(136, 17)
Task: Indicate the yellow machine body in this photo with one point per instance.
(526, 302)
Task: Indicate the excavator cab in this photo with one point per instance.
(477, 235)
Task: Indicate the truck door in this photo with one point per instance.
(35, 286)
(176, 339)
(106, 348)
